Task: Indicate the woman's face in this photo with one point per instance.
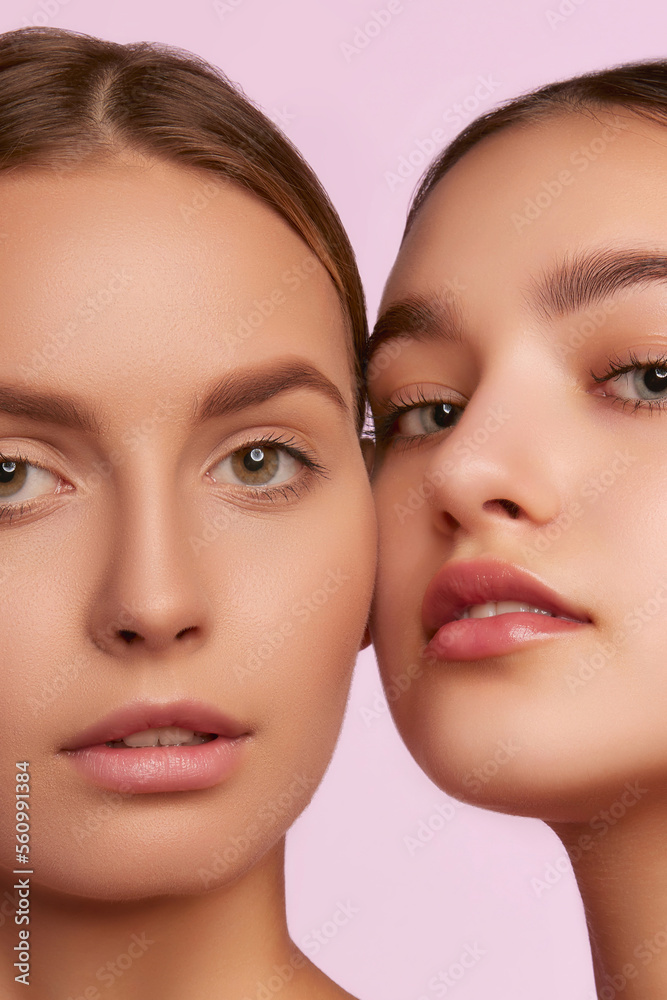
(515, 464)
(187, 535)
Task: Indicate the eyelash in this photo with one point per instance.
(416, 399)
(8, 511)
(287, 491)
(263, 493)
(616, 368)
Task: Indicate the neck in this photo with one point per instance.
(228, 942)
(620, 865)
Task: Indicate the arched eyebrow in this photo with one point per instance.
(589, 277)
(417, 318)
(230, 394)
(255, 386)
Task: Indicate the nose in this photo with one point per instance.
(507, 459)
(149, 597)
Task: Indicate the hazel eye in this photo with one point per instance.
(257, 465)
(20, 480)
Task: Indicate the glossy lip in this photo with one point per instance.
(135, 718)
(159, 769)
(457, 586)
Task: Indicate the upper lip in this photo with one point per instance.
(138, 716)
(459, 585)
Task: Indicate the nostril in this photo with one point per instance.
(512, 508)
(183, 631)
(127, 635)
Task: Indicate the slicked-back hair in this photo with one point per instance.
(637, 87)
(68, 98)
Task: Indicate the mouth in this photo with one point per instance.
(165, 736)
(158, 748)
(153, 725)
(484, 608)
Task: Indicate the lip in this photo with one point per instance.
(458, 585)
(158, 769)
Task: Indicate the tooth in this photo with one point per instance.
(492, 608)
(172, 736)
(146, 738)
(482, 610)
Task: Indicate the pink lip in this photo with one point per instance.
(458, 585)
(158, 769)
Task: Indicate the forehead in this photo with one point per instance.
(128, 274)
(522, 200)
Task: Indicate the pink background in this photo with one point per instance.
(408, 913)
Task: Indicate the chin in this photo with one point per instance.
(558, 774)
(142, 857)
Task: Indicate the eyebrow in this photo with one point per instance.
(587, 278)
(250, 388)
(228, 395)
(416, 318)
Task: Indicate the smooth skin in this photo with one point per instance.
(554, 472)
(138, 282)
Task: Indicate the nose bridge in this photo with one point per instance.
(150, 592)
(506, 444)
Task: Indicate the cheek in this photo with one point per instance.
(409, 554)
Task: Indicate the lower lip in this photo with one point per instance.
(159, 769)
(479, 638)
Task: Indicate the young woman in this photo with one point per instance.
(518, 376)
(187, 539)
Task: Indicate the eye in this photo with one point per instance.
(418, 413)
(647, 383)
(21, 480)
(642, 384)
(258, 464)
(427, 419)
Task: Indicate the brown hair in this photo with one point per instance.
(639, 87)
(66, 97)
